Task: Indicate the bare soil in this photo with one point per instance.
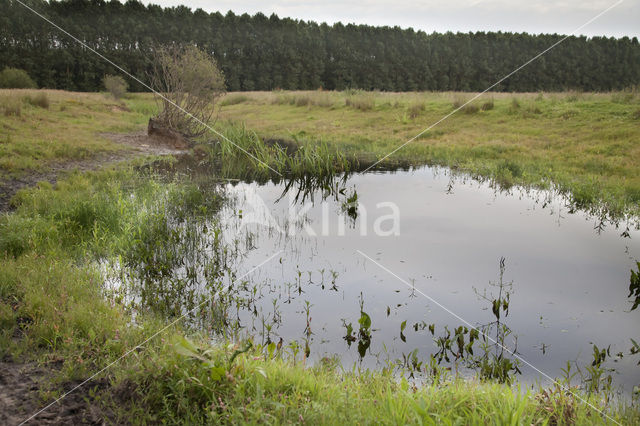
(20, 398)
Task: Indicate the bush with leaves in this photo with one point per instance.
(116, 85)
(14, 78)
(191, 84)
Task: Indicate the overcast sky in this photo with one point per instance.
(546, 16)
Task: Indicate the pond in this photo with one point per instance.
(375, 267)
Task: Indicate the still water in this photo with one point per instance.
(445, 236)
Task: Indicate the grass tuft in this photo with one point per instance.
(487, 105)
(319, 99)
(514, 106)
(40, 99)
(470, 109)
(234, 100)
(416, 109)
(11, 106)
(360, 101)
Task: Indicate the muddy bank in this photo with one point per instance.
(20, 385)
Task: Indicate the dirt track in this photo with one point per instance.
(136, 144)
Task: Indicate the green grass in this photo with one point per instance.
(201, 385)
(43, 128)
(583, 144)
(51, 292)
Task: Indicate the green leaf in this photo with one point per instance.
(365, 320)
(261, 371)
(217, 373)
(186, 348)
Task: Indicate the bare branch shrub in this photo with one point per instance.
(189, 80)
(116, 85)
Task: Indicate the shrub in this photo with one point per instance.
(189, 80)
(40, 100)
(636, 114)
(314, 99)
(569, 114)
(116, 85)
(13, 78)
(533, 109)
(280, 99)
(470, 108)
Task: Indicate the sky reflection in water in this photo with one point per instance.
(570, 283)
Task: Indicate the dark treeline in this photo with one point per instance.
(266, 53)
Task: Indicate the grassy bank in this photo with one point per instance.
(45, 128)
(585, 144)
(54, 311)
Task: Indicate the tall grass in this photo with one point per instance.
(415, 109)
(40, 99)
(10, 106)
(319, 99)
(466, 108)
(487, 105)
(316, 158)
(361, 101)
(234, 100)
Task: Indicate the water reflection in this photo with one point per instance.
(634, 287)
(319, 298)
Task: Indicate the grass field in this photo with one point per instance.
(55, 312)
